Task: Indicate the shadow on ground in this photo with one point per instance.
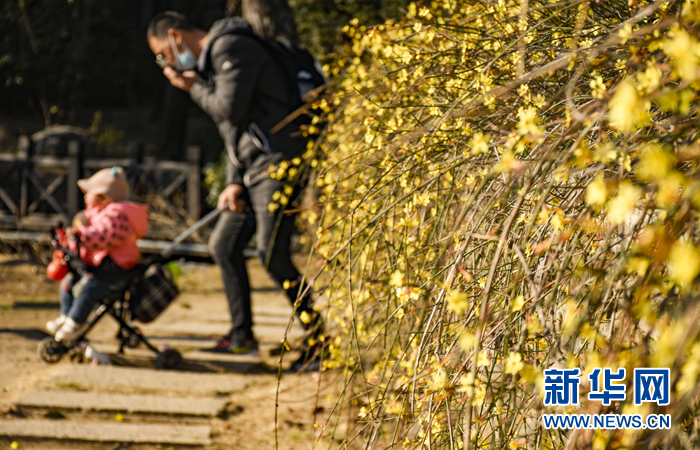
(33, 334)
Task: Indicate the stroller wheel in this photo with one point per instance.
(76, 355)
(169, 359)
(51, 351)
(134, 339)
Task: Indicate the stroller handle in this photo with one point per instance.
(185, 234)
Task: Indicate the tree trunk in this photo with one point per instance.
(269, 18)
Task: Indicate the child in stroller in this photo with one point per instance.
(107, 247)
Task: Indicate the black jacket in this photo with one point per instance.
(243, 89)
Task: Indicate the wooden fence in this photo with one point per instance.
(37, 191)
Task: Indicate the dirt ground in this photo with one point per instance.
(28, 300)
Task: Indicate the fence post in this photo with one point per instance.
(194, 181)
(26, 153)
(135, 149)
(74, 172)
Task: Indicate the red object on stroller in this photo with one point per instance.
(58, 267)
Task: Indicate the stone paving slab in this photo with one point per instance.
(222, 357)
(258, 319)
(193, 360)
(196, 342)
(271, 311)
(144, 404)
(244, 362)
(263, 333)
(107, 432)
(127, 378)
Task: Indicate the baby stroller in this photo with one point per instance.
(150, 291)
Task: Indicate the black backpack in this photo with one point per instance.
(305, 79)
(304, 74)
(302, 71)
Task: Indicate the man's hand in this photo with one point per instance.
(231, 195)
(183, 80)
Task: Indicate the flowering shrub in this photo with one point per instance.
(508, 186)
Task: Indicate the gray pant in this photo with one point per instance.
(230, 237)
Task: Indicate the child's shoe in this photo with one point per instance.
(53, 325)
(68, 331)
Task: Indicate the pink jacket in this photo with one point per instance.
(113, 231)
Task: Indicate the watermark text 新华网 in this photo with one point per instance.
(650, 385)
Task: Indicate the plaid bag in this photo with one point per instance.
(152, 294)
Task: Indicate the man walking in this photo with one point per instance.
(230, 74)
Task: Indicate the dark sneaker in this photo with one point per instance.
(309, 361)
(235, 346)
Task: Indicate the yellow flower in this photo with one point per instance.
(304, 317)
(684, 262)
(479, 143)
(683, 50)
(691, 11)
(514, 363)
(14, 445)
(596, 191)
(670, 189)
(467, 341)
(466, 384)
(676, 101)
(507, 163)
(649, 80)
(479, 396)
(528, 122)
(396, 279)
(638, 266)
(533, 325)
(483, 359)
(557, 219)
(689, 371)
(517, 443)
(457, 301)
(667, 344)
(627, 110)
(654, 163)
(623, 203)
(439, 380)
(522, 90)
(597, 87)
(626, 32)
(518, 303)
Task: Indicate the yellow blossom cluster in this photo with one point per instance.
(505, 186)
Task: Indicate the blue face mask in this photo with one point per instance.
(185, 60)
